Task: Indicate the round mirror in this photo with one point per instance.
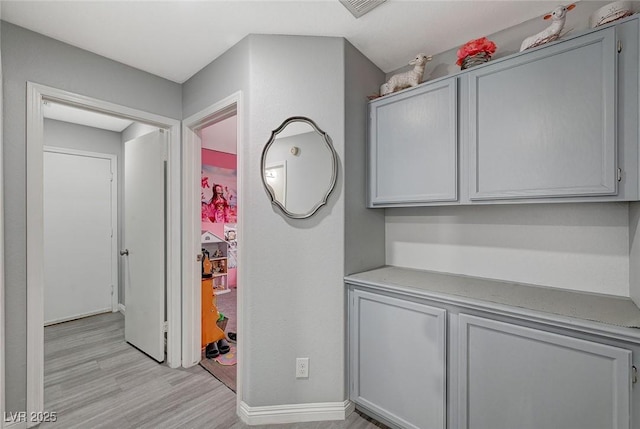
(299, 167)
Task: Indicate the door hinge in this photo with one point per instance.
(619, 46)
(619, 174)
(634, 374)
(165, 326)
(112, 290)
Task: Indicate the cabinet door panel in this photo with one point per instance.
(544, 124)
(516, 377)
(398, 359)
(413, 146)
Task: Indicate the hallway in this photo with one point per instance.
(93, 379)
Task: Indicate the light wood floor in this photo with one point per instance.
(94, 379)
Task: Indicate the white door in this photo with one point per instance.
(144, 240)
(79, 219)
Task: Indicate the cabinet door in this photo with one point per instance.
(413, 146)
(544, 124)
(516, 377)
(398, 358)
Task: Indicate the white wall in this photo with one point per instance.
(570, 246)
(28, 56)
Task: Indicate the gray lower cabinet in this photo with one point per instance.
(413, 146)
(543, 124)
(398, 360)
(415, 363)
(512, 376)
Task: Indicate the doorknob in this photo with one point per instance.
(124, 252)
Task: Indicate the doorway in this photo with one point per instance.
(219, 216)
(230, 107)
(169, 264)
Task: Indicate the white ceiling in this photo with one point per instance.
(175, 39)
(221, 136)
(89, 118)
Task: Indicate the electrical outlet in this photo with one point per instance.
(302, 368)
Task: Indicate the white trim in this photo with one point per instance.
(121, 308)
(295, 413)
(78, 316)
(191, 237)
(115, 226)
(36, 93)
(2, 330)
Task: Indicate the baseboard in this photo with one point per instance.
(295, 413)
(77, 316)
(121, 308)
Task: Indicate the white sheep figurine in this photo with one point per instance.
(552, 32)
(407, 79)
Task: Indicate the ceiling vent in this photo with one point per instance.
(360, 7)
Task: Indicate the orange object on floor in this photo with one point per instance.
(210, 330)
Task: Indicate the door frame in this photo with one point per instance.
(36, 94)
(113, 159)
(192, 229)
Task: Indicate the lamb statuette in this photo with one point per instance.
(558, 17)
(407, 79)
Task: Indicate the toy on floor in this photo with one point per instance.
(213, 338)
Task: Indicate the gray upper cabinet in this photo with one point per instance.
(413, 146)
(543, 124)
(551, 124)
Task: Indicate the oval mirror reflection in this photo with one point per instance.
(299, 167)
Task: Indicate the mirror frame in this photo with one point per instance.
(334, 173)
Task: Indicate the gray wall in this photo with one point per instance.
(80, 137)
(364, 239)
(296, 303)
(508, 41)
(28, 56)
(228, 74)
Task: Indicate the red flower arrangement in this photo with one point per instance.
(474, 47)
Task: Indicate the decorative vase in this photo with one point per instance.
(474, 60)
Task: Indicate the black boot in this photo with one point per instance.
(211, 351)
(223, 347)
